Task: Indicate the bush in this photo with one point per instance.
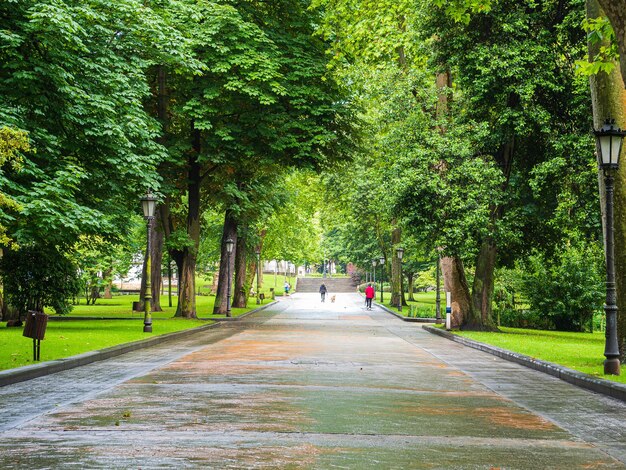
(35, 277)
(566, 290)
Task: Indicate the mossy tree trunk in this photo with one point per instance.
(229, 231)
(156, 262)
(187, 280)
(410, 281)
(608, 99)
(396, 268)
(455, 282)
(479, 316)
(241, 287)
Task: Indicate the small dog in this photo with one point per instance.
(332, 299)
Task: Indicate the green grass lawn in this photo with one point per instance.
(71, 337)
(121, 306)
(424, 303)
(579, 351)
(68, 338)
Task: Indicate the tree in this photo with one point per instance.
(461, 175)
(261, 95)
(34, 278)
(73, 77)
(13, 143)
(608, 97)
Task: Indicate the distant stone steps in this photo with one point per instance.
(312, 284)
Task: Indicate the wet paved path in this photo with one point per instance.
(309, 385)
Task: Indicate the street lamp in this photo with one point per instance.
(148, 204)
(399, 253)
(609, 139)
(382, 273)
(438, 294)
(258, 275)
(374, 271)
(230, 244)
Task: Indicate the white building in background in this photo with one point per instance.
(282, 267)
(132, 280)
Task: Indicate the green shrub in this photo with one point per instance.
(35, 277)
(565, 290)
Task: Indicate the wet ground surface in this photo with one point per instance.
(309, 385)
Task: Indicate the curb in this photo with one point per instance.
(605, 387)
(21, 374)
(403, 318)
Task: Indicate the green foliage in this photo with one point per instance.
(293, 229)
(72, 76)
(601, 35)
(34, 277)
(13, 143)
(567, 289)
(99, 260)
(426, 279)
(461, 10)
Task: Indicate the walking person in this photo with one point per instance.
(287, 286)
(369, 296)
(323, 291)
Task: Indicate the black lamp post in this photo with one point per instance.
(230, 244)
(258, 275)
(609, 140)
(399, 253)
(148, 204)
(374, 262)
(438, 294)
(382, 273)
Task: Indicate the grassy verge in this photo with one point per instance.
(579, 351)
(423, 305)
(121, 306)
(68, 338)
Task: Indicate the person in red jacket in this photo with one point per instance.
(369, 295)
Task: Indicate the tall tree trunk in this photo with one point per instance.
(608, 99)
(396, 269)
(216, 276)
(187, 280)
(142, 284)
(452, 268)
(108, 281)
(455, 282)
(251, 274)
(479, 316)
(262, 235)
(242, 288)
(229, 231)
(156, 262)
(411, 280)
(176, 255)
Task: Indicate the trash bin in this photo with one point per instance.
(136, 306)
(35, 328)
(36, 323)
